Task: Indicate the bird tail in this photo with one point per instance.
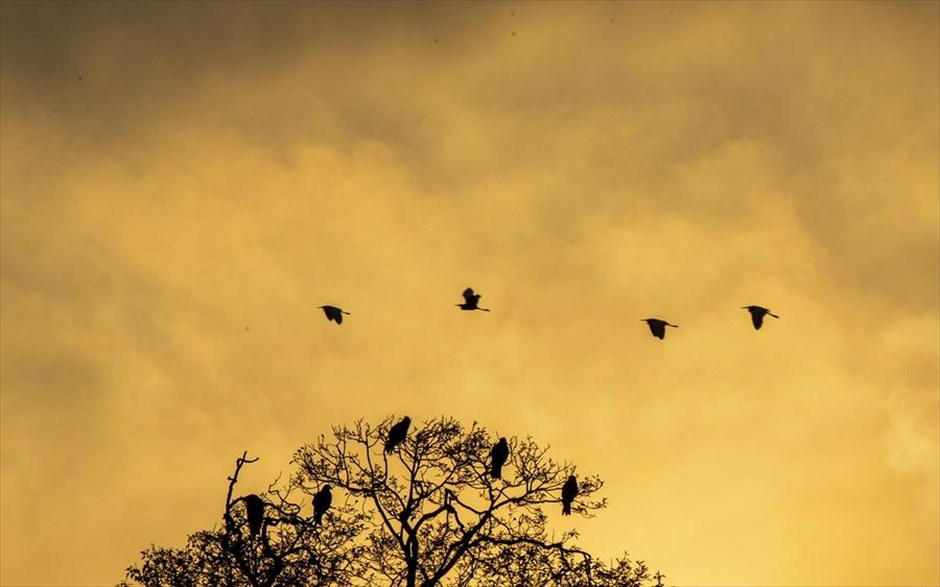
(566, 509)
(496, 472)
(318, 518)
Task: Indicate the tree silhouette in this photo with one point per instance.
(429, 514)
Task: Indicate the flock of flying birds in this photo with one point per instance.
(499, 454)
(657, 326)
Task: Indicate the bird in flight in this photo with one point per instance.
(568, 492)
(321, 503)
(658, 327)
(397, 434)
(499, 454)
(254, 511)
(471, 301)
(757, 315)
(333, 313)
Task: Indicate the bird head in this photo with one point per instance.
(327, 487)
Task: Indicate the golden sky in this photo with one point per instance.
(183, 184)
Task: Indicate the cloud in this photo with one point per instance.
(172, 219)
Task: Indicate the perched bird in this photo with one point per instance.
(397, 434)
(470, 301)
(321, 503)
(658, 327)
(499, 454)
(254, 511)
(333, 313)
(568, 492)
(757, 315)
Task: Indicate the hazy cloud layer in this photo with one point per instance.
(182, 185)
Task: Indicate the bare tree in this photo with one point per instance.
(289, 551)
(428, 514)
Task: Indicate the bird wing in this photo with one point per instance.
(500, 453)
(397, 433)
(322, 500)
(338, 317)
(658, 329)
(757, 318)
(570, 490)
(468, 295)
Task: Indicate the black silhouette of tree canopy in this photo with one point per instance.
(427, 514)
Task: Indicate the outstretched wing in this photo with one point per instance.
(658, 329)
(331, 313)
(757, 318)
(468, 295)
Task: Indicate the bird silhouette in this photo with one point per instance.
(254, 511)
(333, 313)
(471, 301)
(499, 454)
(568, 492)
(321, 503)
(658, 327)
(397, 434)
(757, 315)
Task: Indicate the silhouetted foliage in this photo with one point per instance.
(430, 513)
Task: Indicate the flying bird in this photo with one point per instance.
(757, 315)
(254, 510)
(333, 313)
(321, 503)
(397, 434)
(568, 492)
(499, 454)
(658, 327)
(471, 301)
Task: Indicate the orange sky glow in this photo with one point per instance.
(184, 183)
